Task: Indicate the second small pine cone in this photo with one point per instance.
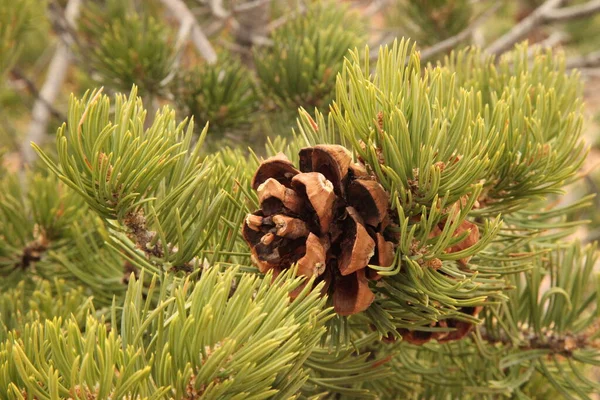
(328, 216)
(460, 329)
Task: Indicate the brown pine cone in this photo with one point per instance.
(329, 217)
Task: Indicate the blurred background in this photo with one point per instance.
(246, 66)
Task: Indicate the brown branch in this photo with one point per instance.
(33, 251)
(55, 77)
(589, 60)
(142, 237)
(448, 44)
(551, 41)
(33, 90)
(520, 30)
(548, 12)
(181, 11)
(574, 12)
(560, 344)
(139, 233)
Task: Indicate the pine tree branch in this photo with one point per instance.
(251, 21)
(185, 16)
(55, 77)
(139, 233)
(32, 88)
(559, 344)
(520, 30)
(574, 12)
(451, 42)
(589, 60)
(33, 251)
(551, 41)
(548, 12)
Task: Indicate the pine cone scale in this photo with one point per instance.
(319, 192)
(357, 247)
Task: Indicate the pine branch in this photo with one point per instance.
(185, 16)
(550, 42)
(548, 12)
(55, 77)
(574, 12)
(589, 60)
(448, 44)
(533, 20)
(32, 88)
(139, 233)
(559, 344)
(251, 22)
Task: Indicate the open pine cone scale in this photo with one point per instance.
(329, 217)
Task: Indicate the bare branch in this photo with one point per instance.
(551, 41)
(250, 5)
(520, 30)
(181, 11)
(217, 9)
(33, 90)
(557, 343)
(590, 60)
(574, 12)
(251, 21)
(451, 42)
(55, 77)
(548, 12)
(375, 7)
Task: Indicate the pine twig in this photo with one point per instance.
(181, 11)
(548, 12)
(32, 88)
(451, 42)
(589, 60)
(551, 41)
(574, 12)
(55, 77)
(520, 30)
(560, 344)
(139, 233)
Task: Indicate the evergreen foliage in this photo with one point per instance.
(161, 348)
(223, 93)
(15, 20)
(125, 273)
(123, 47)
(307, 53)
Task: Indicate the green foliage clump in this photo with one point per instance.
(31, 302)
(46, 231)
(471, 149)
(521, 351)
(222, 94)
(33, 222)
(122, 47)
(454, 147)
(150, 185)
(255, 349)
(15, 20)
(307, 53)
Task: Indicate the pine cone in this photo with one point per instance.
(329, 217)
